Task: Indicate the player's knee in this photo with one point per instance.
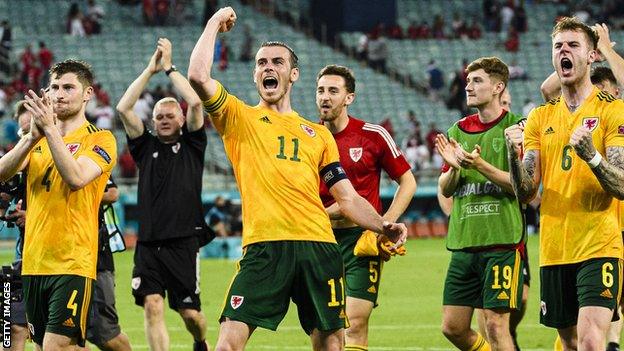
(154, 307)
(590, 341)
(191, 316)
(453, 331)
(358, 327)
(496, 327)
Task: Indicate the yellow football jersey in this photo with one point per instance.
(277, 159)
(62, 225)
(579, 220)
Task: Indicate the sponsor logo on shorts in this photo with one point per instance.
(543, 307)
(187, 299)
(607, 293)
(372, 289)
(69, 322)
(136, 282)
(236, 301)
(503, 296)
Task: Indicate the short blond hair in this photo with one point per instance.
(166, 100)
(575, 25)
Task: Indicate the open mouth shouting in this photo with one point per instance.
(566, 66)
(270, 83)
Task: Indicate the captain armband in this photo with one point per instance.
(332, 174)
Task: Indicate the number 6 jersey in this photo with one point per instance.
(277, 158)
(579, 220)
(61, 224)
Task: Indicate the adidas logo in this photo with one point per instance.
(606, 293)
(342, 315)
(37, 149)
(372, 290)
(69, 323)
(503, 296)
(550, 130)
(265, 119)
(187, 300)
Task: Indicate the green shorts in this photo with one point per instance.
(485, 279)
(363, 274)
(271, 273)
(57, 304)
(566, 288)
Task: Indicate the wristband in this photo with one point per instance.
(595, 161)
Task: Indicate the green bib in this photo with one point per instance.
(483, 213)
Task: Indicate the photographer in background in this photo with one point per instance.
(14, 190)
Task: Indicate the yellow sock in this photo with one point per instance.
(480, 345)
(558, 346)
(356, 348)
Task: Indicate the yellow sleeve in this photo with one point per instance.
(532, 132)
(102, 149)
(330, 154)
(223, 109)
(614, 133)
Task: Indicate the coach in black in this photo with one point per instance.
(171, 223)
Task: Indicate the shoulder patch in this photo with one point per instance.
(100, 151)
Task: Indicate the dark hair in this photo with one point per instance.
(80, 68)
(574, 24)
(20, 108)
(601, 73)
(294, 60)
(493, 66)
(342, 71)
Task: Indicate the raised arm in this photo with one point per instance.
(551, 87)
(195, 113)
(132, 123)
(610, 170)
(402, 197)
(605, 47)
(202, 56)
(525, 174)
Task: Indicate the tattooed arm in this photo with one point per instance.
(610, 172)
(525, 174)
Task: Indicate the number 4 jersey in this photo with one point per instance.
(62, 224)
(579, 219)
(277, 158)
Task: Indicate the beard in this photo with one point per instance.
(67, 111)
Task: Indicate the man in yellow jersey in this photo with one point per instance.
(580, 240)
(279, 159)
(68, 161)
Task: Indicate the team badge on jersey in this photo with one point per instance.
(175, 148)
(621, 130)
(73, 147)
(497, 144)
(590, 123)
(308, 130)
(236, 301)
(355, 153)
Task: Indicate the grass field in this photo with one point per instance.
(408, 316)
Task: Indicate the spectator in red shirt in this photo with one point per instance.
(126, 164)
(45, 62)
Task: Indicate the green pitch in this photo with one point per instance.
(408, 316)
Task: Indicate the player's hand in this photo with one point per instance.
(448, 149)
(396, 232)
(154, 66)
(41, 109)
(514, 137)
(470, 159)
(583, 144)
(604, 42)
(18, 215)
(164, 45)
(226, 17)
(385, 248)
